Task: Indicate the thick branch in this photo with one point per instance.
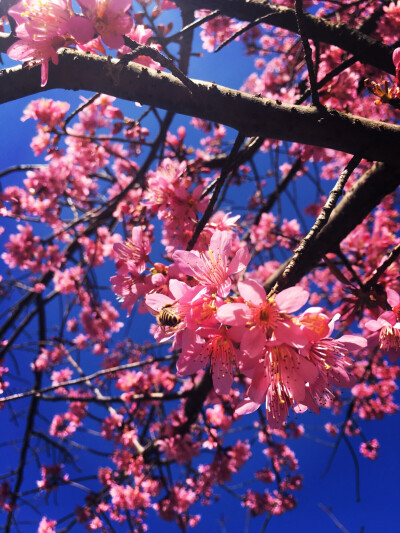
(364, 48)
(359, 201)
(251, 115)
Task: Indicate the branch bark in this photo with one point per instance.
(251, 115)
(367, 50)
(379, 181)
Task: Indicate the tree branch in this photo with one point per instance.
(359, 201)
(251, 115)
(365, 49)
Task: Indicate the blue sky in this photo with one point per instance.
(379, 508)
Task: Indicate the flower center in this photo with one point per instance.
(266, 317)
(389, 338)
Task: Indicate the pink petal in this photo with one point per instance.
(373, 325)
(308, 370)
(392, 297)
(112, 41)
(294, 383)
(224, 288)
(186, 365)
(222, 381)
(120, 5)
(88, 4)
(239, 262)
(300, 408)
(179, 289)
(252, 292)
(157, 301)
(236, 333)
(246, 407)
(191, 359)
(221, 243)
(393, 355)
(308, 403)
(353, 342)
(234, 314)
(80, 28)
(186, 261)
(291, 299)
(253, 342)
(291, 334)
(282, 411)
(396, 57)
(340, 377)
(387, 318)
(258, 387)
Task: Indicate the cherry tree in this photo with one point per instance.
(188, 276)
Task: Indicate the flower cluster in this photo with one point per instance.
(290, 361)
(45, 27)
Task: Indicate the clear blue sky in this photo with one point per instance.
(379, 508)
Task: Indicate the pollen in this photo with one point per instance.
(267, 316)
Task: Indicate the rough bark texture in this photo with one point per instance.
(367, 50)
(357, 203)
(251, 115)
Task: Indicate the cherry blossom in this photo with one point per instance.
(191, 233)
(109, 19)
(211, 268)
(388, 326)
(43, 29)
(370, 449)
(260, 318)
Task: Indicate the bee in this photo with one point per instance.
(168, 317)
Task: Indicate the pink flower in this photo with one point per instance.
(209, 345)
(171, 310)
(369, 449)
(47, 526)
(133, 251)
(212, 268)
(43, 28)
(396, 62)
(141, 35)
(128, 288)
(46, 111)
(109, 19)
(280, 378)
(179, 448)
(299, 377)
(388, 326)
(52, 477)
(126, 497)
(260, 318)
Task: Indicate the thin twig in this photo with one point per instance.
(142, 49)
(82, 379)
(394, 254)
(333, 518)
(307, 53)
(242, 30)
(20, 168)
(81, 108)
(29, 421)
(193, 25)
(356, 466)
(229, 165)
